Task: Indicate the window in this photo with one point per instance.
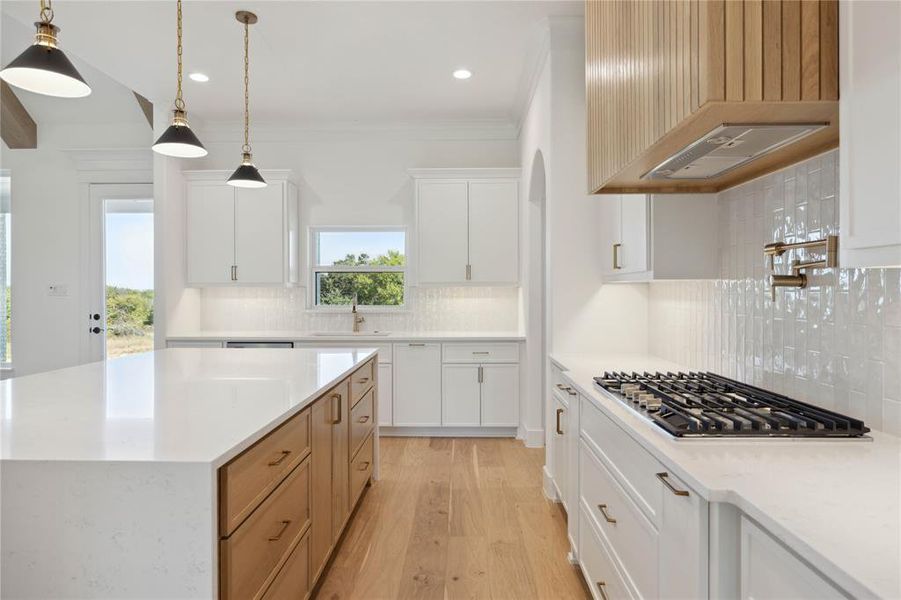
(370, 263)
(5, 230)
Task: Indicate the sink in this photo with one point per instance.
(351, 334)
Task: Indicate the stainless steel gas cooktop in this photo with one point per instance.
(708, 405)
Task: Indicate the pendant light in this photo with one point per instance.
(246, 175)
(43, 68)
(178, 140)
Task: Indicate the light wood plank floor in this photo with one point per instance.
(455, 519)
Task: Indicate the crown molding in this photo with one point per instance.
(532, 75)
(473, 129)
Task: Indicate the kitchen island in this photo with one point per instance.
(183, 473)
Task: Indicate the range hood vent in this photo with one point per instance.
(728, 147)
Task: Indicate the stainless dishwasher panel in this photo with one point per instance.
(259, 344)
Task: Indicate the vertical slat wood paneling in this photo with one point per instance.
(651, 64)
(791, 50)
(772, 50)
(829, 49)
(735, 78)
(810, 50)
(753, 50)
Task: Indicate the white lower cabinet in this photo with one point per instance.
(417, 385)
(500, 396)
(769, 571)
(559, 446)
(480, 395)
(386, 394)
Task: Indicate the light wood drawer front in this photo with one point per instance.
(361, 382)
(634, 468)
(250, 556)
(631, 538)
(601, 575)
(250, 477)
(293, 580)
(361, 470)
(481, 353)
(361, 421)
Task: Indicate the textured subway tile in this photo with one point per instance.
(836, 344)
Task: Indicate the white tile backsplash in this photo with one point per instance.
(836, 344)
(429, 309)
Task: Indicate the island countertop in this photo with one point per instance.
(179, 405)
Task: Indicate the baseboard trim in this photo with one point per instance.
(447, 431)
(550, 488)
(533, 438)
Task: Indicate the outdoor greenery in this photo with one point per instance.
(384, 288)
(129, 321)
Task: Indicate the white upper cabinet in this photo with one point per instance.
(657, 237)
(467, 226)
(238, 236)
(870, 131)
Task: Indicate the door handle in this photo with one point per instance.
(559, 414)
(616, 265)
(96, 330)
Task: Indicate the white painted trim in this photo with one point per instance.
(386, 431)
(550, 490)
(110, 165)
(533, 438)
(467, 173)
(531, 77)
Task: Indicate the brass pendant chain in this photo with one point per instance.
(246, 147)
(179, 101)
(46, 11)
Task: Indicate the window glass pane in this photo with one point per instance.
(372, 289)
(5, 230)
(360, 248)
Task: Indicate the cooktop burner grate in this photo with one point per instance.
(702, 404)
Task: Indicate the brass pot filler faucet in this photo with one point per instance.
(797, 279)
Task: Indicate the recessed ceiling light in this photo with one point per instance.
(462, 73)
(199, 77)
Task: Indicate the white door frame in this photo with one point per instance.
(95, 295)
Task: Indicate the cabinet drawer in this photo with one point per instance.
(770, 571)
(601, 575)
(293, 580)
(481, 353)
(361, 469)
(361, 382)
(361, 421)
(250, 477)
(249, 557)
(633, 467)
(631, 538)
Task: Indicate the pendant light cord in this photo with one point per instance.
(246, 147)
(46, 11)
(179, 101)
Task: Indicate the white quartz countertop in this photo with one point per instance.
(312, 336)
(180, 405)
(836, 503)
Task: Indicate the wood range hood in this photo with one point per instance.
(701, 95)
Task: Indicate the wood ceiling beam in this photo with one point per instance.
(17, 128)
(146, 107)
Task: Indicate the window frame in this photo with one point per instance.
(6, 366)
(315, 268)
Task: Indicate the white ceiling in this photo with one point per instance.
(315, 62)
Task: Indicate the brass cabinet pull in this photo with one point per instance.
(416, 345)
(559, 414)
(663, 477)
(616, 265)
(340, 416)
(363, 466)
(571, 391)
(468, 272)
(280, 459)
(363, 419)
(562, 387)
(601, 586)
(281, 531)
(603, 509)
(481, 374)
(481, 352)
(362, 380)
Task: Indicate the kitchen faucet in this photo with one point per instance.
(358, 318)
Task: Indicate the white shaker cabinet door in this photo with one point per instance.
(460, 392)
(560, 448)
(259, 234)
(683, 541)
(610, 233)
(870, 124)
(500, 395)
(442, 216)
(210, 229)
(417, 385)
(633, 255)
(494, 231)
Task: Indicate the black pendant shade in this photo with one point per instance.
(45, 69)
(179, 141)
(247, 176)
